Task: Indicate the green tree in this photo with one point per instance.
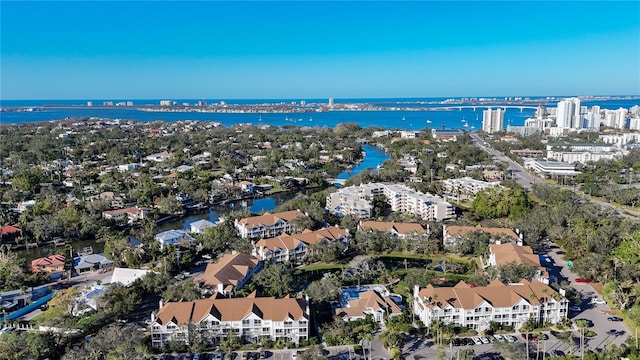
(274, 280)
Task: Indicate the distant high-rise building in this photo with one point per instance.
(564, 113)
(635, 110)
(330, 101)
(492, 120)
(129, 103)
(165, 103)
(89, 103)
(593, 120)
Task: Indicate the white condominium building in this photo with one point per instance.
(266, 225)
(492, 120)
(215, 319)
(358, 200)
(465, 188)
(568, 114)
(477, 307)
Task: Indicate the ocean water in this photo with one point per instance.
(406, 119)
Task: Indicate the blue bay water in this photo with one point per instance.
(407, 119)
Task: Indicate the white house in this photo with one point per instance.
(174, 237)
(198, 227)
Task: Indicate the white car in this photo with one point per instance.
(498, 337)
(484, 340)
(477, 340)
(598, 301)
(510, 338)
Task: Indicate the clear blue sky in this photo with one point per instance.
(213, 50)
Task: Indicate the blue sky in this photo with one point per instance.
(218, 50)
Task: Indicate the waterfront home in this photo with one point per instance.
(174, 237)
(477, 307)
(294, 248)
(251, 319)
(229, 274)
(131, 214)
(398, 229)
(9, 233)
(91, 262)
(159, 157)
(267, 224)
(246, 186)
(54, 265)
(453, 233)
(198, 227)
(369, 302)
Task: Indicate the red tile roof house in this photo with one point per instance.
(53, 264)
(9, 233)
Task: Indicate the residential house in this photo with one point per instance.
(369, 302)
(401, 230)
(91, 262)
(54, 265)
(476, 307)
(126, 276)
(131, 214)
(230, 273)
(246, 186)
(267, 224)
(198, 227)
(452, 234)
(294, 248)
(9, 233)
(503, 254)
(174, 237)
(215, 319)
(159, 157)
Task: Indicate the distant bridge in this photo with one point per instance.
(503, 107)
(336, 181)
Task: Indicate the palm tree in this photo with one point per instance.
(582, 325)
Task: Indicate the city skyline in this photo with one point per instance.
(258, 50)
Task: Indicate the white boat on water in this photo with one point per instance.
(428, 121)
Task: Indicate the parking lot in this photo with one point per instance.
(333, 352)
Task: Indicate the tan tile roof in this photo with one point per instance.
(368, 300)
(50, 261)
(400, 228)
(507, 253)
(229, 269)
(232, 309)
(454, 230)
(130, 210)
(307, 237)
(496, 293)
(270, 219)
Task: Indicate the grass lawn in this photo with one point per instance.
(399, 255)
(321, 266)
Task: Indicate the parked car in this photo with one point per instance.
(484, 340)
(583, 280)
(614, 318)
(510, 338)
(498, 337)
(294, 354)
(555, 352)
(218, 355)
(575, 308)
(477, 341)
(598, 301)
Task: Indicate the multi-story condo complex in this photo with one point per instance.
(583, 157)
(568, 114)
(230, 273)
(452, 234)
(464, 188)
(266, 225)
(620, 140)
(400, 197)
(503, 254)
(477, 307)
(216, 319)
(294, 248)
(492, 120)
(400, 230)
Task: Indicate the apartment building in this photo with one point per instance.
(452, 234)
(464, 189)
(503, 254)
(216, 319)
(401, 230)
(477, 307)
(266, 225)
(400, 197)
(296, 247)
(230, 273)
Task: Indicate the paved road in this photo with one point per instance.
(526, 179)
